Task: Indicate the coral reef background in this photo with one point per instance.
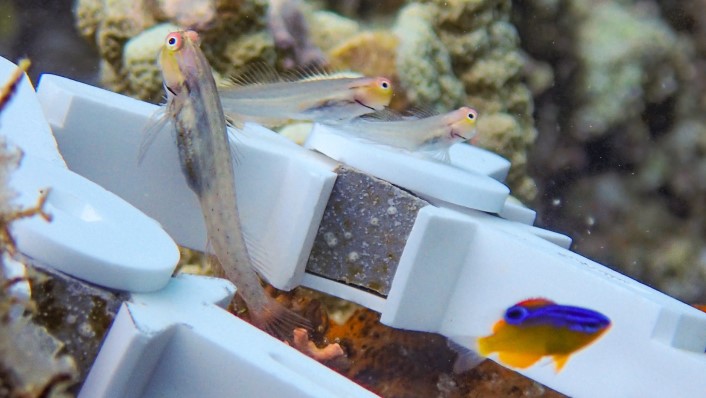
(599, 105)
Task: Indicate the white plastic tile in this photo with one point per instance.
(179, 343)
(287, 186)
(425, 177)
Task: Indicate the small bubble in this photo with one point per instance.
(347, 235)
(375, 221)
(590, 221)
(330, 239)
(392, 210)
(353, 257)
(556, 202)
(86, 330)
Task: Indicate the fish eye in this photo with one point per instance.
(515, 315)
(384, 84)
(472, 115)
(174, 41)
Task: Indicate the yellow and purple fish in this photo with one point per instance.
(538, 327)
(271, 99)
(195, 110)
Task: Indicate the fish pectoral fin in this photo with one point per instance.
(156, 123)
(560, 361)
(261, 261)
(518, 360)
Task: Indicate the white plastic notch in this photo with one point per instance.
(427, 178)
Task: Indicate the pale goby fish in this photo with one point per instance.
(271, 99)
(420, 132)
(193, 106)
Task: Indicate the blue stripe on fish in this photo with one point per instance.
(573, 318)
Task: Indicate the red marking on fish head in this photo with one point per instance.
(535, 302)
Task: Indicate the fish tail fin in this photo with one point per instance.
(484, 346)
(278, 320)
(466, 359)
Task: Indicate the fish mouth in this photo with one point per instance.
(365, 106)
(454, 134)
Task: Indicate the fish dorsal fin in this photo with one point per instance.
(383, 115)
(518, 360)
(560, 361)
(256, 74)
(314, 72)
(421, 111)
(535, 302)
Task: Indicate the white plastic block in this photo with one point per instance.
(22, 120)
(179, 343)
(460, 272)
(479, 160)
(514, 210)
(427, 178)
(286, 186)
(93, 235)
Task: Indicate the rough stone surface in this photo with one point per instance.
(363, 231)
(76, 313)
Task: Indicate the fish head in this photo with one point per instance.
(374, 93)
(462, 124)
(176, 58)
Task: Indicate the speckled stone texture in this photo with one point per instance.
(76, 313)
(363, 231)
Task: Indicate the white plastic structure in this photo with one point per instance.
(425, 177)
(94, 235)
(202, 350)
(460, 269)
(283, 188)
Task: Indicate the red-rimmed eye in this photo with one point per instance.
(174, 41)
(471, 114)
(384, 84)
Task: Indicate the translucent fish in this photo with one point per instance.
(194, 108)
(421, 132)
(536, 328)
(270, 99)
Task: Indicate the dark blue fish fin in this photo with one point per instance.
(466, 359)
(156, 123)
